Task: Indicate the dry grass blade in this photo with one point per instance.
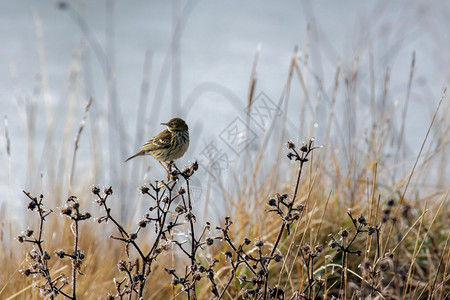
(402, 199)
(424, 238)
(444, 253)
(76, 142)
(8, 154)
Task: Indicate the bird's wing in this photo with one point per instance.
(160, 141)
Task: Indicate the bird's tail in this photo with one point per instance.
(137, 154)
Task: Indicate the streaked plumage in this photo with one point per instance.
(169, 144)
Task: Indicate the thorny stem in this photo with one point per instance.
(119, 227)
(39, 241)
(377, 230)
(160, 231)
(230, 242)
(46, 271)
(302, 158)
(163, 213)
(193, 242)
(344, 271)
(283, 226)
(75, 261)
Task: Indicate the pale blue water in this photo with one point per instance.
(205, 65)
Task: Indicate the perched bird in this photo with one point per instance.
(169, 144)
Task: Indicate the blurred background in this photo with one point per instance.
(223, 66)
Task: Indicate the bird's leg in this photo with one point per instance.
(165, 168)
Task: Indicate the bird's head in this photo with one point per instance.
(176, 124)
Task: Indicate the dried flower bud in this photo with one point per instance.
(81, 255)
(306, 249)
(209, 241)
(60, 253)
(142, 223)
(284, 197)
(170, 271)
(20, 238)
(32, 205)
(193, 267)
(318, 248)
(133, 236)
(46, 255)
(290, 145)
(27, 272)
(371, 230)
(247, 241)
(344, 233)
(95, 190)
(101, 219)
(272, 202)
(181, 191)
(391, 202)
(196, 277)
(110, 297)
(66, 211)
(259, 243)
(276, 293)
(186, 170)
(122, 265)
(290, 155)
(228, 254)
(76, 204)
(277, 257)
(362, 220)
(333, 244)
(108, 191)
(304, 148)
(144, 189)
(190, 216)
(195, 166)
(179, 209)
(138, 277)
(85, 216)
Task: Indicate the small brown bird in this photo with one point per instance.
(169, 144)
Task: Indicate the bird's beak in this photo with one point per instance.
(164, 124)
